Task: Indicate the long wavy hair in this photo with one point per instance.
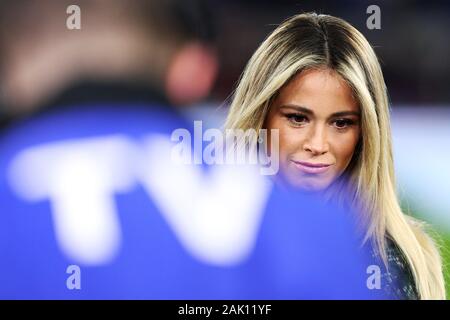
(307, 41)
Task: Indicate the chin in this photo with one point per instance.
(307, 186)
(310, 187)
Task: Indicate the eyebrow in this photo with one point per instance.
(311, 112)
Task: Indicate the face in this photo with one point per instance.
(319, 127)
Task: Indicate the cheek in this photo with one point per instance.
(288, 137)
(290, 141)
(344, 147)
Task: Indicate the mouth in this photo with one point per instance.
(313, 168)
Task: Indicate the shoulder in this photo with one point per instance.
(397, 279)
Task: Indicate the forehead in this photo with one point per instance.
(319, 90)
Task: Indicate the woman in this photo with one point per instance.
(318, 81)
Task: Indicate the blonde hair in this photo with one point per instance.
(308, 41)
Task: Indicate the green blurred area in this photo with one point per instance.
(445, 251)
(441, 236)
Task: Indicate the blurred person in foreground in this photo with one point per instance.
(91, 204)
(122, 46)
(317, 80)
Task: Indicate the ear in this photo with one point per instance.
(191, 74)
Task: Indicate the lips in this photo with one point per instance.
(313, 168)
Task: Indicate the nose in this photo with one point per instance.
(316, 141)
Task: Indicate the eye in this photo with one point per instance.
(343, 123)
(297, 119)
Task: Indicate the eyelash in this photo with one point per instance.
(291, 116)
